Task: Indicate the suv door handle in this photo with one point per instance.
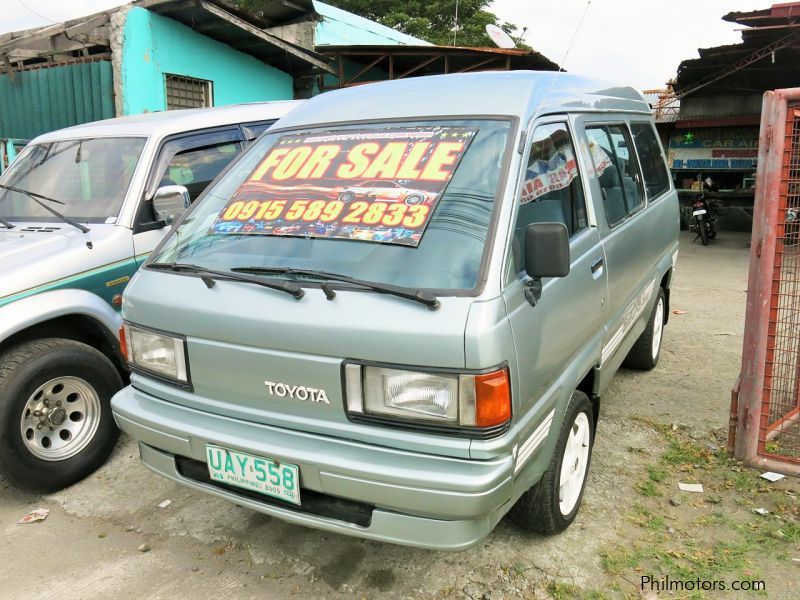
(597, 267)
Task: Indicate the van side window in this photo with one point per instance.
(552, 190)
(616, 169)
(651, 156)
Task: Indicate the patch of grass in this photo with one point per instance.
(655, 524)
(617, 559)
(567, 591)
(683, 452)
(648, 489)
(563, 591)
(710, 536)
(656, 473)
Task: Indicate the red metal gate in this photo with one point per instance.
(765, 408)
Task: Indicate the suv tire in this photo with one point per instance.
(56, 425)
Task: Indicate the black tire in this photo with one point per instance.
(414, 199)
(641, 354)
(539, 509)
(712, 230)
(347, 197)
(701, 226)
(23, 369)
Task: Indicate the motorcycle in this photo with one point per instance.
(704, 220)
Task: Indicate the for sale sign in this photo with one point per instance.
(379, 185)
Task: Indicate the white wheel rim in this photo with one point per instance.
(574, 464)
(658, 328)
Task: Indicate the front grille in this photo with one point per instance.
(312, 503)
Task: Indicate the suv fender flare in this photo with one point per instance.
(39, 308)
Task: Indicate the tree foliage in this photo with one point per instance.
(432, 20)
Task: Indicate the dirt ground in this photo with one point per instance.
(656, 429)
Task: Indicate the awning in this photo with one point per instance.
(244, 33)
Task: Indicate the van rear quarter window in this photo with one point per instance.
(617, 171)
(651, 156)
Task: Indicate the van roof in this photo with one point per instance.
(507, 93)
(170, 122)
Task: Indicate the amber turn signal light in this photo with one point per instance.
(123, 344)
(492, 398)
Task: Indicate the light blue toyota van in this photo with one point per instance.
(393, 317)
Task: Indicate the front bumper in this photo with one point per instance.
(415, 499)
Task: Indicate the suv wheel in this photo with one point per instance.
(646, 351)
(56, 425)
(552, 504)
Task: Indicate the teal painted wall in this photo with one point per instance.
(154, 45)
(41, 100)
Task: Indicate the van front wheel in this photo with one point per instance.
(646, 351)
(551, 505)
(56, 425)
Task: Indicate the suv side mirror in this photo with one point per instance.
(169, 202)
(546, 255)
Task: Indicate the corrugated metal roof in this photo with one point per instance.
(766, 58)
(341, 28)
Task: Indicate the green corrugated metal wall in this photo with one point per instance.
(42, 100)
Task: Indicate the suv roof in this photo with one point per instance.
(174, 121)
(508, 93)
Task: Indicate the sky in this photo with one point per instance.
(634, 42)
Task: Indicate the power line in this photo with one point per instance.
(41, 16)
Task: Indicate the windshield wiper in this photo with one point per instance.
(35, 197)
(408, 293)
(6, 224)
(210, 275)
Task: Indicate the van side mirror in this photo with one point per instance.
(546, 255)
(169, 202)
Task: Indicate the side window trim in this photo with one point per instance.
(204, 137)
(253, 130)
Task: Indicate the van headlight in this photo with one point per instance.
(481, 400)
(157, 353)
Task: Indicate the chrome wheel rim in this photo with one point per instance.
(658, 328)
(60, 418)
(574, 464)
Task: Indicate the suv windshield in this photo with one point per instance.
(90, 176)
(407, 204)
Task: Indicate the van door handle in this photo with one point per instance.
(597, 267)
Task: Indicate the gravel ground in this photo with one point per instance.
(107, 534)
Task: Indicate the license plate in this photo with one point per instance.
(702, 211)
(255, 473)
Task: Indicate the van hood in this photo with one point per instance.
(44, 255)
(242, 337)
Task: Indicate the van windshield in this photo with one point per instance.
(90, 176)
(408, 204)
